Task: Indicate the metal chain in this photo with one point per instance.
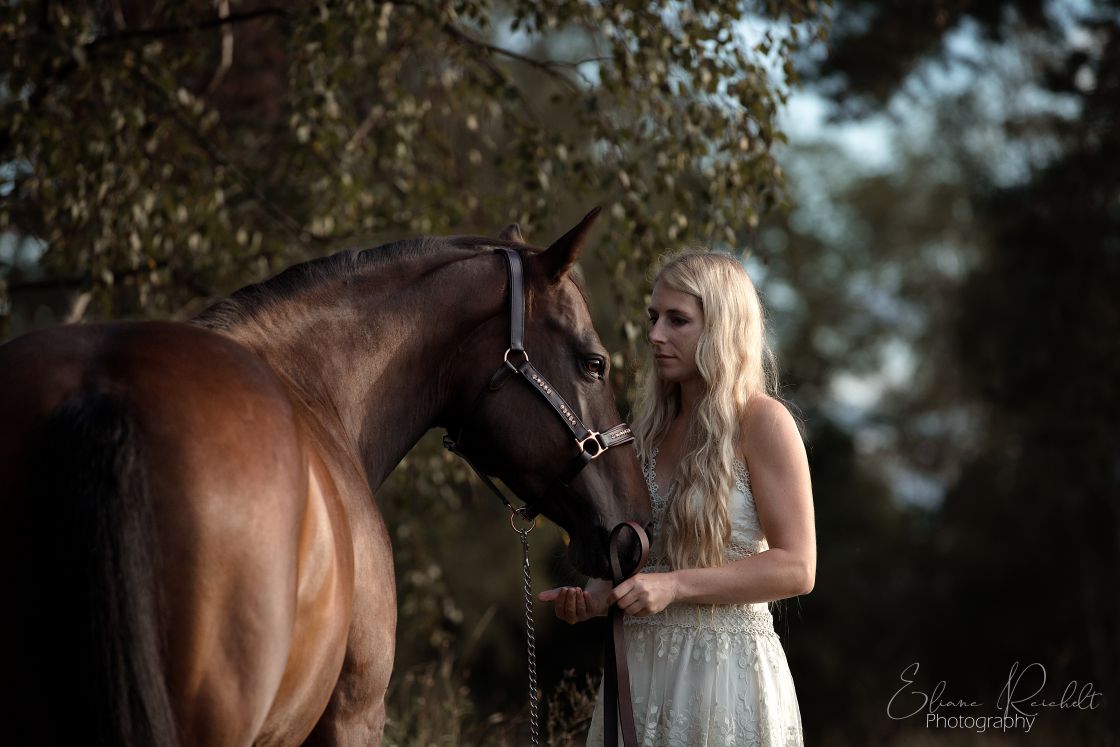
(530, 630)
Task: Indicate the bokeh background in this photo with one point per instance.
(926, 192)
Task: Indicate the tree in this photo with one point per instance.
(1024, 338)
(162, 154)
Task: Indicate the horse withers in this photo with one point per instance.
(191, 544)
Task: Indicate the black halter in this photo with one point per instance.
(591, 444)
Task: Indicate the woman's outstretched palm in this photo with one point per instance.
(573, 604)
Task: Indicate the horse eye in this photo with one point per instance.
(595, 366)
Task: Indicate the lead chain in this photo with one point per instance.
(531, 642)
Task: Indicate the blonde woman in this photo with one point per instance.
(733, 509)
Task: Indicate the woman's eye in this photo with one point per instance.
(595, 366)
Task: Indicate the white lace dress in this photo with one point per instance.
(709, 675)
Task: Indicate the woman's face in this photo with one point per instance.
(676, 322)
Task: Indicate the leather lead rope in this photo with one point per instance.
(618, 705)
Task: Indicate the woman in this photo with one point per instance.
(733, 511)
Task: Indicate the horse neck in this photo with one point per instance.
(370, 356)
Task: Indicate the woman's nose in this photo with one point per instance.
(655, 333)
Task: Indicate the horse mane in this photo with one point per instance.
(298, 279)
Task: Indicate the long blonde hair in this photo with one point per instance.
(736, 364)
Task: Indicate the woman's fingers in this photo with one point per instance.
(567, 606)
(573, 604)
(631, 598)
(549, 595)
(579, 605)
(620, 593)
(564, 601)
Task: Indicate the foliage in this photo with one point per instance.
(162, 154)
(878, 48)
(1000, 281)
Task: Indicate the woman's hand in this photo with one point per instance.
(573, 605)
(645, 593)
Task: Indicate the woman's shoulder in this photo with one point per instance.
(765, 425)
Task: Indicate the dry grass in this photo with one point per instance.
(431, 706)
(569, 710)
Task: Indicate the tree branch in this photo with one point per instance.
(551, 68)
(291, 224)
(227, 50)
(60, 72)
(158, 32)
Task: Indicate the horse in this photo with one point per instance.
(191, 543)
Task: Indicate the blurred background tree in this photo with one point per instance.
(951, 309)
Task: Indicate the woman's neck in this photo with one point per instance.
(692, 390)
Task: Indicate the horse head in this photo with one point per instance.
(509, 428)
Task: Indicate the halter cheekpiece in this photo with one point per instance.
(589, 443)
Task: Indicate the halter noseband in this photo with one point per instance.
(591, 444)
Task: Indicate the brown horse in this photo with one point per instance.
(191, 546)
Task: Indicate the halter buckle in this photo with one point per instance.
(595, 438)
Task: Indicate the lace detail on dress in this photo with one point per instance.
(746, 531)
(724, 618)
(742, 477)
(710, 688)
(739, 470)
(704, 683)
(657, 502)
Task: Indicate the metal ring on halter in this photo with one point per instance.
(523, 515)
(596, 438)
(505, 357)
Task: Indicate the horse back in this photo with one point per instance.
(230, 504)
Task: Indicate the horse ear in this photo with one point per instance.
(559, 258)
(512, 232)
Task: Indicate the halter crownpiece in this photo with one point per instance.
(591, 444)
